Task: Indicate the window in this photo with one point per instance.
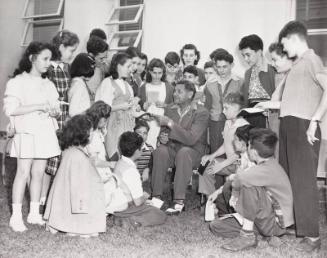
(44, 18)
(125, 15)
(126, 25)
(123, 39)
(41, 30)
(314, 14)
(42, 8)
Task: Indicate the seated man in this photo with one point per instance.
(262, 197)
(184, 146)
(138, 212)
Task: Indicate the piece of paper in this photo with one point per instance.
(252, 110)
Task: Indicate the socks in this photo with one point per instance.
(42, 200)
(34, 208)
(17, 209)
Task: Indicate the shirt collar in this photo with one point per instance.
(232, 77)
(305, 55)
(128, 160)
(145, 146)
(55, 65)
(238, 122)
(193, 106)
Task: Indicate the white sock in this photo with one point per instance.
(42, 200)
(34, 208)
(17, 209)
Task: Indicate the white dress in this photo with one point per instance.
(155, 93)
(35, 132)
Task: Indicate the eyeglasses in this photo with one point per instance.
(176, 66)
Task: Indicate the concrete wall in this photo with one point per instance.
(12, 27)
(210, 24)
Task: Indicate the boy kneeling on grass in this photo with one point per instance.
(140, 212)
(262, 197)
(219, 167)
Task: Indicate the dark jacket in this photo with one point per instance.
(267, 80)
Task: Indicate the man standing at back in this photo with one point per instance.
(303, 105)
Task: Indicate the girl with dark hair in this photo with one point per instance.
(141, 69)
(31, 102)
(190, 55)
(64, 44)
(134, 54)
(76, 200)
(117, 93)
(154, 95)
(98, 49)
(80, 96)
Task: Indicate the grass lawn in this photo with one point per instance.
(186, 235)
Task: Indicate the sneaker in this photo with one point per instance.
(176, 209)
(307, 245)
(16, 223)
(35, 219)
(243, 242)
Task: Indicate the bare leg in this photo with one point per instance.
(18, 191)
(21, 178)
(37, 172)
(45, 187)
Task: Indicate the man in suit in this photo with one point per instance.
(183, 146)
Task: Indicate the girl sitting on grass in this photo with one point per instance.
(76, 202)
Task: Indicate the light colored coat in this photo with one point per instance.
(76, 199)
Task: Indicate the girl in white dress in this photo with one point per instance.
(154, 95)
(31, 102)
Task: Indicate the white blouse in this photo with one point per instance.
(78, 97)
(106, 91)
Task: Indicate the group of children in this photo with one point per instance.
(102, 114)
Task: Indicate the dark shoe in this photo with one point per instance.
(243, 242)
(307, 245)
(176, 209)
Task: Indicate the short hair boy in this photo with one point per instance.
(144, 215)
(303, 105)
(262, 197)
(220, 167)
(216, 91)
(259, 79)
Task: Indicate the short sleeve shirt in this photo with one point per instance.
(302, 92)
(228, 134)
(132, 179)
